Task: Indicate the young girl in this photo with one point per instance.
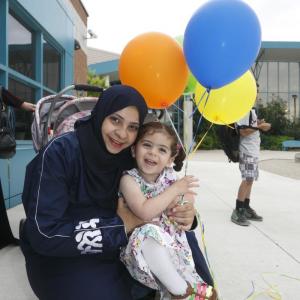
(158, 254)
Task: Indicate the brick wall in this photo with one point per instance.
(80, 67)
(80, 10)
(80, 58)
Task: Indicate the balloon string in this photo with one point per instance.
(197, 128)
(186, 165)
(201, 226)
(200, 142)
(174, 128)
(177, 107)
(197, 104)
(226, 124)
(201, 117)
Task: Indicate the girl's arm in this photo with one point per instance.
(147, 209)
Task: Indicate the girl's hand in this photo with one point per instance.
(184, 214)
(129, 219)
(185, 185)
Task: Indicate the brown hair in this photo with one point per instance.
(176, 148)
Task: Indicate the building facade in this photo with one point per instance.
(104, 63)
(42, 50)
(277, 70)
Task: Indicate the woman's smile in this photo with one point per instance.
(115, 143)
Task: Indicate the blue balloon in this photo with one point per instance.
(221, 42)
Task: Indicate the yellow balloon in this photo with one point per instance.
(229, 103)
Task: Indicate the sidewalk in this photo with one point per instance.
(243, 259)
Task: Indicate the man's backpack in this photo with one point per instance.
(7, 134)
(229, 137)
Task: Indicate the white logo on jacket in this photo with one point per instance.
(89, 241)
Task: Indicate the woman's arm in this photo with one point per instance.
(28, 106)
(57, 225)
(12, 100)
(147, 209)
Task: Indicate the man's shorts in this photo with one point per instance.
(248, 167)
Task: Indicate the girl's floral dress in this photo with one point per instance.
(164, 232)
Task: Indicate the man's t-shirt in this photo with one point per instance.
(250, 144)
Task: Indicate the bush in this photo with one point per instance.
(273, 142)
(274, 113)
(96, 80)
(210, 141)
(293, 130)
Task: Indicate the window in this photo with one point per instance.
(51, 67)
(283, 77)
(262, 99)
(46, 93)
(273, 78)
(294, 77)
(263, 78)
(23, 118)
(20, 47)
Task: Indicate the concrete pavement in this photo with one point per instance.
(259, 259)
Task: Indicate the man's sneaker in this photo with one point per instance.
(238, 217)
(251, 214)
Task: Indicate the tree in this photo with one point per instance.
(274, 113)
(96, 80)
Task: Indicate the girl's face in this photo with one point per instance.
(153, 154)
(119, 130)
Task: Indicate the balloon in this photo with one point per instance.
(229, 103)
(154, 64)
(191, 83)
(221, 42)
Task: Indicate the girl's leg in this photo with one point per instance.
(160, 264)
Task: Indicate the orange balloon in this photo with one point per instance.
(154, 64)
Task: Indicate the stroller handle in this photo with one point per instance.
(88, 88)
(77, 87)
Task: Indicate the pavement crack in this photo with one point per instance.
(276, 243)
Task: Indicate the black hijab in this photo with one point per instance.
(103, 170)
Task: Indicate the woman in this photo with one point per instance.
(75, 227)
(6, 236)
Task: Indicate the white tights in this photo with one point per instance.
(160, 264)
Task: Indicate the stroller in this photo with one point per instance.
(56, 114)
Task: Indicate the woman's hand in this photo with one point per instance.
(184, 214)
(28, 106)
(129, 219)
